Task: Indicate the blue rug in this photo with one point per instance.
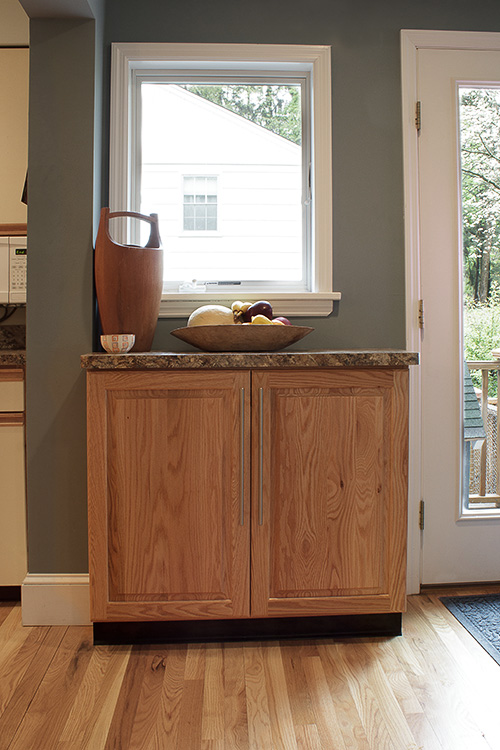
(480, 615)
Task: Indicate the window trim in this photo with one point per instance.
(127, 58)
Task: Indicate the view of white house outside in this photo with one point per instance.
(229, 192)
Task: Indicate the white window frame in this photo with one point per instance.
(128, 59)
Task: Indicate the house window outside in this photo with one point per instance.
(264, 221)
(200, 204)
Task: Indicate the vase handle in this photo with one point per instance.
(154, 236)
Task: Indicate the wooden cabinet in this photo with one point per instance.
(329, 492)
(168, 474)
(240, 494)
(13, 554)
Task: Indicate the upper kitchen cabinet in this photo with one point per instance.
(14, 72)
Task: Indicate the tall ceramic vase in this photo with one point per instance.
(129, 281)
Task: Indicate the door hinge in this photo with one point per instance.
(421, 313)
(421, 515)
(418, 116)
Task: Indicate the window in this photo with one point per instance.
(200, 204)
(231, 146)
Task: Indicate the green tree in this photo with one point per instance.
(480, 153)
(275, 107)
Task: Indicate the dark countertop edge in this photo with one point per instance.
(12, 358)
(235, 360)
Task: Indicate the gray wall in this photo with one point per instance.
(368, 243)
(367, 207)
(60, 293)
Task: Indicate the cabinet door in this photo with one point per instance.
(329, 492)
(168, 523)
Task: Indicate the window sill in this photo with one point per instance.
(479, 514)
(314, 304)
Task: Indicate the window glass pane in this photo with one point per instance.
(480, 212)
(251, 139)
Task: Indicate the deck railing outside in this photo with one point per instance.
(484, 485)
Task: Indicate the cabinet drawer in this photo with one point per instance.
(11, 390)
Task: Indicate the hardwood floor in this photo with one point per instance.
(434, 688)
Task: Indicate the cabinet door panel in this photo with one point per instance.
(173, 487)
(333, 508)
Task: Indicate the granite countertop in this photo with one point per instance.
(246, 360)
(12, 358)
(12, 346)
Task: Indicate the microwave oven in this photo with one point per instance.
(13, 267)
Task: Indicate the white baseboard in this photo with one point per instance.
(55, 599)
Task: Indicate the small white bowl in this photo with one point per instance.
(118, 343)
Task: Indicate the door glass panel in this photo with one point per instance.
(480, 185)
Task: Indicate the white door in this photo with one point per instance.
(455, 548)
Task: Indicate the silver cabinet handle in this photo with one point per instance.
(242, 457)
(261, 456)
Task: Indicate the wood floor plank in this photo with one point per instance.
(308, 738)
(122, 723)
(189, 734)
(437, 687)
(149, 701)
(353, 731)
(212, 725)
(41, 645)
(259, 722)
(15, 658)
(405, 695)
(433, 688)
(323, 703)
(235, 706)
(479, 678)
(46, 716)
(195, 661)
(282, 727)
(168, 720)
(12, 635)
(382, 718)
(90, 717)
(293, 654)
(5, 609)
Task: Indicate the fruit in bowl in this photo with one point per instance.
(245, 313)
(261, 320)
(262, 307)
(211, 315)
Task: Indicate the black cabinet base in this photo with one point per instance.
(198, 631)
(10, 593)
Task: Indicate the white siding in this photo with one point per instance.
(259, 189)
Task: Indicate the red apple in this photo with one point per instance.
(285, 321)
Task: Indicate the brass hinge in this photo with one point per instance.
(421, 515)
(418, 116)
(421, 313)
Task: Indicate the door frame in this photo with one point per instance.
(411, 42)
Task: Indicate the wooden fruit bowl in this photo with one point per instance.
(241, 338)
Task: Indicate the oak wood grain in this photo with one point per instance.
(329, 492)
(166, 538)
(433, 688)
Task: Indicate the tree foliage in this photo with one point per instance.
(480, 151)
(275, 107)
